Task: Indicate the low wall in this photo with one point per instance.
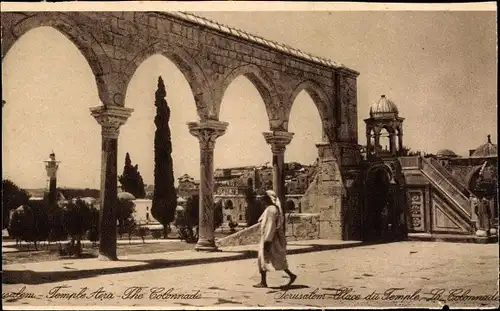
(247, 236)
(298, 227)
(302, 227)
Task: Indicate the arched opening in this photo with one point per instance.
(290, 205)
(305, 123)
(137, 135)
(243, 143)
(377, 203)
(229, 204)
(48, 87)
(384, 140)
(370, 148)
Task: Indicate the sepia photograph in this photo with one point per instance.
(249, 155)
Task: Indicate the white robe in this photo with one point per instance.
(271, 226)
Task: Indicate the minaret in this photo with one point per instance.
(51, 166)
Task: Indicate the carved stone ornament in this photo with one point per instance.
(278, 140)
(207, 132)
(111, 118)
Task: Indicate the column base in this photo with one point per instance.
(493, 231)
(206, 246)
(104, 257)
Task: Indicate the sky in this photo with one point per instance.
(439, 68)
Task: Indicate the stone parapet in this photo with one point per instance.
(299, 227)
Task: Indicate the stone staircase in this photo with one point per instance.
(445, 200)
(447, 185)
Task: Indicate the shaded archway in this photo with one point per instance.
(49, 86)
(378, 202)
(290, 206)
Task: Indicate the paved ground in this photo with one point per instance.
(456, 274)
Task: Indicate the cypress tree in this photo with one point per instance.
(131, 179)
(164, 195)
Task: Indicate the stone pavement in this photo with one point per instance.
(420, 274)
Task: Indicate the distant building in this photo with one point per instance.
(187, 186)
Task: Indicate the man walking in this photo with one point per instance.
(272, 248)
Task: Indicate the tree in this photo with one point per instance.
(76, 219)
(12, 197)
(125, 212)
(131, 179)
(164, 195)
(254, 208)
(30, 223)
(93, 234)
(21, 223)
(188, 220)
(218, 214)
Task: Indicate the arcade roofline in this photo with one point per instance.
(276, 46)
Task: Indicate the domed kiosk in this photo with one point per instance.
(446, 153)
(384, 117)
(486, 150)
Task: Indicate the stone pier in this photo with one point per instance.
(110, 118)
(329, 193)
(207, 132)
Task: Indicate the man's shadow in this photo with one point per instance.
(289, 287)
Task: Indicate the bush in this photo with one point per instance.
(254, 207)
(157, 234)
(187, 221)
(57, 231)
(12, 198)
(142, 232)
(77, 220)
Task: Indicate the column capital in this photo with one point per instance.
(111, 118)
(207, 132)
(278, 140)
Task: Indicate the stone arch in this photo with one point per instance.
(377, 167)
(290, 205)
(84, 41)
(199, 84)
(318, 96)
(229, 204)
(262, 83)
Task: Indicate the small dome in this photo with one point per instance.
(486, 150)
(384, 107)
(446, 153)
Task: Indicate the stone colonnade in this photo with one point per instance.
(111, 118)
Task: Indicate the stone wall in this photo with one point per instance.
(308, 200)
(302, 227)
(299, 227)
(247, 236)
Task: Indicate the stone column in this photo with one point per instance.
(377, 142)
(206, 132)
(110, 118)
(392, 143)
(278, 141)
(400, 142)
(368, 143)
